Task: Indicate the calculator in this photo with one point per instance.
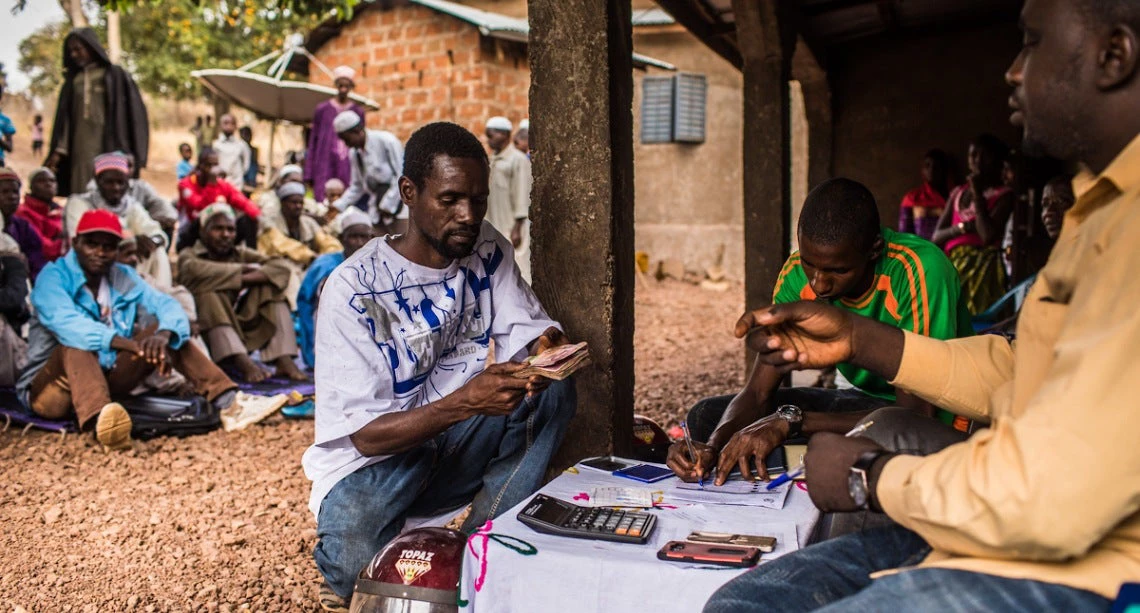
(554, 516)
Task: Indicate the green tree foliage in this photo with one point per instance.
(41, 58)
(163, 42)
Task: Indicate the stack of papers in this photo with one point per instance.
(735, 491)
(556, 363)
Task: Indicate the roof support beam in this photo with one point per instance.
(582, 204)
(711, 35)
(766, 34)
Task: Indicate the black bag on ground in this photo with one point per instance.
(153, 416)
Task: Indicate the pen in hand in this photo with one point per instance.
(799, 470)
(693, 454)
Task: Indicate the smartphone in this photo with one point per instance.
(605, 463)
(646, 473)
(708, 553)
(766, 544)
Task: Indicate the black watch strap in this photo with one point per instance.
(865, 462)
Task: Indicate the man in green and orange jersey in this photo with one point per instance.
(848, 259)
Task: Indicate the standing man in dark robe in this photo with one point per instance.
(100, 109)
(327, 156)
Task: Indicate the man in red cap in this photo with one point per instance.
(99, 330)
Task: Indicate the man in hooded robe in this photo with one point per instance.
(100, 109)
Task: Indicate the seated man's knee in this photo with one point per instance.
(561, 397)
(53, 402)
(703, 418)
(909, 431)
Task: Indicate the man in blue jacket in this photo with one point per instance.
(99, 330)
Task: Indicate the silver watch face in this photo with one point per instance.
(790, 413)
(857, 487)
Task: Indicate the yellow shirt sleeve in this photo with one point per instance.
(959, 375)
(1057, 470)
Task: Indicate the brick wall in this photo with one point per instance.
(423, 66)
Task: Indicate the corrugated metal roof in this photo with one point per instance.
(652, 17)
(496, 25)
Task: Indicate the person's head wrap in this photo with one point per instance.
(334, 183)
(286, 170)
(345, 121)
(128, 238)
(39, 171)
(218, 208)
(291, 188)
(500, 123)
(351, 217)
(9, 174)
(111, 161)
(344, 72)
(524, 124)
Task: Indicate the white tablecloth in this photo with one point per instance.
(570, 575)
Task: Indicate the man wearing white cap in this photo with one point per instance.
(294, 236)
(327, 156)
(111, 192)
(377, 158)
(355, 230)
(508, 207)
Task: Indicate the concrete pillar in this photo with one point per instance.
(767, 41)
(581, 96)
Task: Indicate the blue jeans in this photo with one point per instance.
(834, 577)
(492, 462)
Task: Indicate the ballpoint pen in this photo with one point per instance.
(799, 470)
(692, 454)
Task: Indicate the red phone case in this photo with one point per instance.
(709, 553)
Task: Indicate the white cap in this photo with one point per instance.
(352, 216)
(344, 72)
(499, 123)
(291, 188)
(524, 124)
(345, 121)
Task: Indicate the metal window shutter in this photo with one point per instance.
(657, 109)
(690, 92)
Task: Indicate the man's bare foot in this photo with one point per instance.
(288, 369)
(249, 371)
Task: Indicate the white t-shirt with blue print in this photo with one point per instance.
(392, 335)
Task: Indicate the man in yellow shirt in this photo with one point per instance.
(1040, 510)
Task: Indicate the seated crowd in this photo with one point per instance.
(421, 334)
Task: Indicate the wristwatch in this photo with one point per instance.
(794, 416)
(857, 486)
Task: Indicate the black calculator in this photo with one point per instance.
(554, 516)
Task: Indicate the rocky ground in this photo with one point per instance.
(219, 522)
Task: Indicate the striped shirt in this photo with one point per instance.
(915, 288)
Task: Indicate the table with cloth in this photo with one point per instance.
(570, 575)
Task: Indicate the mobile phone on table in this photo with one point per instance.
(606, 463)
(709, 553)
(766, 544)
(646, 473)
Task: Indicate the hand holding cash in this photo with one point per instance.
(556, 363)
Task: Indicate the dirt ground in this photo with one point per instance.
(219, 522)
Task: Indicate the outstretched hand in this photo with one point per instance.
(798, 335)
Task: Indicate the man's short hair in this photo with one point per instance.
(840, 211)
(204, 153)
(1109, 12)
(435, 139)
